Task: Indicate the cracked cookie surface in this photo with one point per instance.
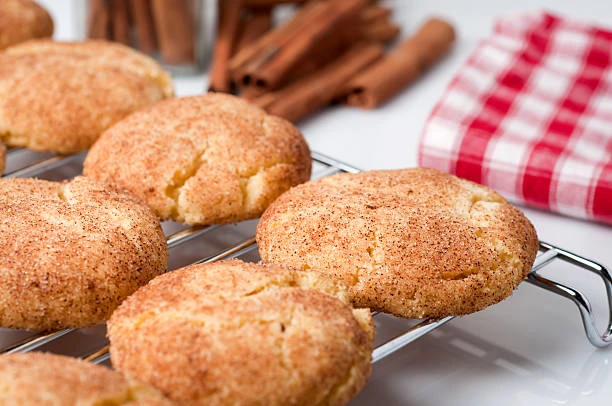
(206, 159)
(239, 333)
(414, 242)
(60, 96)
(37, 378)
(72, 251)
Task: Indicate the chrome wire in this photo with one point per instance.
(188, 234)
(407, 337)
(329, 161)
(232, 252)
(325, 172)
(43, 165)
(34, 342)
(98, 356)
(551, 253)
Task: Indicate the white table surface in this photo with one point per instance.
(529, 349)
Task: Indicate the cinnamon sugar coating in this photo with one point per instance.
(37, 378)
(206, 159)
(230, 332)
(72, 251)
(61, 96)
(413, 242)
(21, 20)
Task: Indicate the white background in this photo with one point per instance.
(528, 350)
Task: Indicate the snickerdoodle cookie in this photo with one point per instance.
(72, 251)
(206, 159)
(37, 378)
(413, 242)
(230, 332)
(21, 20)
(61, 96)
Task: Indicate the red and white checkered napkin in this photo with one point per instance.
(530, 115)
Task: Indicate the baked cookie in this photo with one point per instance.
(206, 159)
(413, 242)
(62, 96)
(72, 251)
(21, 20)
(231, 332)
(37, 378)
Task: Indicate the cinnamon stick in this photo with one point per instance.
(342, 39)
(98, 19)
(266, 46)
(174, 29)
(401, 66)
(319, 88)
(338, 42)
(257, 23)
(275, 61)
(375, 12)
(227, 32)
(269, 3)
(143, 25)
(251, 92)
(317, 31)
(376, 25)
(381, 31)
(120, 21)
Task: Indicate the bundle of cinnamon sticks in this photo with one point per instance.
(327, 51)
(164, 26)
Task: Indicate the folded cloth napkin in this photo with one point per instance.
(530, 115)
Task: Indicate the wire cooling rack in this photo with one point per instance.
(189, 245)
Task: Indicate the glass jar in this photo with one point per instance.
(175, 32)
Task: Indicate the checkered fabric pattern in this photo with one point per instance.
(530, 115)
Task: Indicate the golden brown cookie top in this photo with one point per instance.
(194, 288)
(72, 251)
(37, 378)
(413, 242)
(205, 159)
(62, 96)
(21, 20)
(236, 333)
